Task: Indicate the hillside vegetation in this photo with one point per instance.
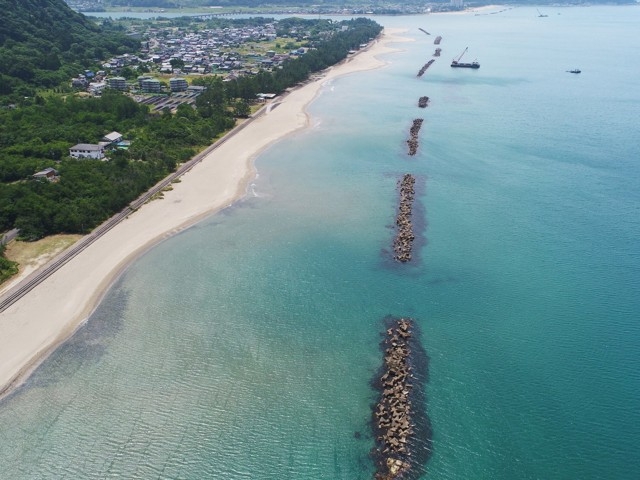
(44, 42)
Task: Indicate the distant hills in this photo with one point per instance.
(324, 3)
(251, 3)
(44, 42)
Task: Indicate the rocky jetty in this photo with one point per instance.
(437, 52)
(424, 67)
(403, 243)
(423, 102)
(393, 420)
(413, 136)
(437, 40)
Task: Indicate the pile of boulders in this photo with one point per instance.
(403, 242)
(413, 135)
(393, 414)
(425, 66)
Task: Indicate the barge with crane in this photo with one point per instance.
(457, 63)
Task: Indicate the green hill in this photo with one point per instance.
(44, 42)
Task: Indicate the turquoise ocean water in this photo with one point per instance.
(244, 347)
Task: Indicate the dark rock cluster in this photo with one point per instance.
(437, 40)
(413, 135)
(423, 102)
(392, 417)
(403, 242)
(424, 67)
(437, 52)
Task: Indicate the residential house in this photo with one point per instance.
(117, 83)
(96, 88)
(50, 174)
(112, 138)
(178, 85)
(87, 150)
(79, 82)
(197, 89)
(151, 85)
(142, 78)
(263, 97)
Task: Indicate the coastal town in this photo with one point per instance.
(173, 61)
(171, 57)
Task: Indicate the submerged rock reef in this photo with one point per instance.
(403, 242)
(401, 427)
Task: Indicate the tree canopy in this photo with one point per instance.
(44, 42)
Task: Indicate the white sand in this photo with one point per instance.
(49, 314)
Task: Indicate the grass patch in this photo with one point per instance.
(34, 254)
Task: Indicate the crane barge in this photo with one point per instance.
(457, 63)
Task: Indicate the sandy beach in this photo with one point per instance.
(39, 322)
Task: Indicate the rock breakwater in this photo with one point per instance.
(424, 67)
(403, 242)
(400, 424)
(423, 102)
(413, 135)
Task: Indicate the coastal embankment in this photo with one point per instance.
(36, 323)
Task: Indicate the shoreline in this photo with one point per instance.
(43, 319)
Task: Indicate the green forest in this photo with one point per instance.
(44, 43)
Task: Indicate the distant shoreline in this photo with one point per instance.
(35, 325)
(139, 12)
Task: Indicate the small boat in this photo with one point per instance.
(575, 70)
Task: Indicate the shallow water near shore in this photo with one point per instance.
(244, 347)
